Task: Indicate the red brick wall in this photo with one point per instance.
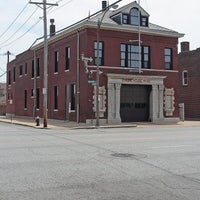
(112, 41)
(190, 95)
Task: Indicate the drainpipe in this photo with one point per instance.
(34, 87)
(78, 78)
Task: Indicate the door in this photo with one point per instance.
(134, 103)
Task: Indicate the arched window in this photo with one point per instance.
(134, 16)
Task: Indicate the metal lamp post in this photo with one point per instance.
(114, 6)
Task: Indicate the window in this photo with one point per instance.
(133, 56)
(146, 57)
(26, 68)
(32, 71)
(185, 78)
(144, 21)
(55, 97)
(134, 16)
(38, 67)
(168, 58)
(123, 55)
(125, 19)
(25, 99)
(9, 77)
(56, 57)
(32, 93)
(67, 58)
(14, 72)
(38, 98)
(20, 70)
(73, 94)
(130, 56)
(101, 53)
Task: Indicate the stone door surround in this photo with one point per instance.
(156, 96)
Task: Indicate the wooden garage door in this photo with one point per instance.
(134, 103)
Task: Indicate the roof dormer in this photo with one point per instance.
(131, 14)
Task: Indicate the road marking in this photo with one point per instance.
(167, 147)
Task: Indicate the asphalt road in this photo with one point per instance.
(150, 163)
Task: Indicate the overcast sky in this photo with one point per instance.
(179, 15)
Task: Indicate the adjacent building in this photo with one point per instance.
(138, 63)
(189, 74)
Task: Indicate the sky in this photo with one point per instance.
(21, 23)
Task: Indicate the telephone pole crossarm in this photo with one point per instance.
(41, 3)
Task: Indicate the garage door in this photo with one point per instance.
(134, 103)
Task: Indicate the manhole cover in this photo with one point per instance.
(123, 155)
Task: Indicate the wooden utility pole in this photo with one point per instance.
(45, 88)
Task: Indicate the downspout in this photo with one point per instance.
(34, 87)
(78, 78)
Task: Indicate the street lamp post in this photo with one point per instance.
(114, 6)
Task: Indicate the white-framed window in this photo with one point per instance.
(185, 78)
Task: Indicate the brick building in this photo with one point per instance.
(138, 80)
(189, 75)
(2, 98)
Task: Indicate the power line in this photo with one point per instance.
(26, 22)
(60, 6)
(14, 20)
(20, 27)
(2, 69)
(22, 34)
(3, 74)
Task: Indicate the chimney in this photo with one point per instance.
(104, 5)
(185, 46)
(52, 28)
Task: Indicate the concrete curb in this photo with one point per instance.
(68, 127)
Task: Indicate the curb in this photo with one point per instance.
(72, 128)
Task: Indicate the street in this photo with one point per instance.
(140, 163)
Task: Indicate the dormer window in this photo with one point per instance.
(125, 19)
(144, 21)
(134, 16)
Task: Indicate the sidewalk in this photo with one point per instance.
(60, 124)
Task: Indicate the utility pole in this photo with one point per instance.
(8, 56)
(45, 88)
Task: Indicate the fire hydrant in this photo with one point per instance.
(37, 120)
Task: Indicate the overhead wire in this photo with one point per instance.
(49, 11)
(14, 20)
(24, 24)
(20, 27)
(55, 9)
(21, 35)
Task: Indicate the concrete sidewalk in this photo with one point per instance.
(60, 124)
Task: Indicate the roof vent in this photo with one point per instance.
(104, 5)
